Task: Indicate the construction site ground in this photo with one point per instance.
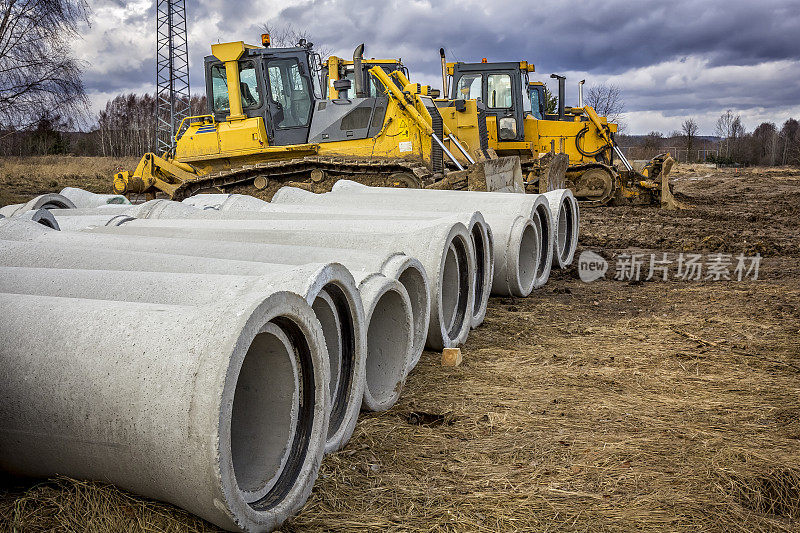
(604, 406)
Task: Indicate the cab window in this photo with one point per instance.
(251, 95)
(375, 87)
(219, 88)
(498, 91)
(289, 92)
(535, 103)
(469, 87)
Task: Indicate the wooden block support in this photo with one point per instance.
(451, 357)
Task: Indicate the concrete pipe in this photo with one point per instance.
(84, 199)
(74, 222)
(443, 247)
(217, 409)
(511, 265)
(39, 216)
(517, 256)
(225, 202)
(405, 269)
(535, 206)
(566, 223)
(44, 201)
(480, 231)
(387, 311)
(329, 288)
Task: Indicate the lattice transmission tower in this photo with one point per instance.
(172, 71)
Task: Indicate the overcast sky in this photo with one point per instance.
(672, 60)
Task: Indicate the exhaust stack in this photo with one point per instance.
(580, 93)
(561, 91)
(358, 73)
(445, 92)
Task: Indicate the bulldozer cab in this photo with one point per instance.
(501, 87)
(284, 88)
(278, 84)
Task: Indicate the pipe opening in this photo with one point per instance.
(264, 413)
(456, 281)
(570, 230)
(545, 250)
(305, 420)
(326, 313)
(564, 221)
(449, 288)
(414, 283)
(347, 359)
(528, 258)
(481, 262)
(387, 347)
(47, 222)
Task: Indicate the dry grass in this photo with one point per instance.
(24, 177)
(595, 420)
(587, 407)
(64, 504)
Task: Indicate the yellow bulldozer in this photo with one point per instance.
(573, 147)
(271, 121)
(518, 124)
(462, 125)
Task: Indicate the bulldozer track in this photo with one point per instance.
(576, 170)
(292, 169)
(613, 175)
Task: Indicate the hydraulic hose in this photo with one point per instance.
(584, 153)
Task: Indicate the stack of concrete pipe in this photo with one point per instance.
(555, 216)
(443, 247)
(212, 351)
(207, 391)
(38, 209)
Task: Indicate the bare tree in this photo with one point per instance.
(38, 74)
(286, 36)
(728, 125)
(790, 138)
(126, 127)
(606, 100)
(689, 129)
(653, 142)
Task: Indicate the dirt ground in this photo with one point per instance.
(604, 406)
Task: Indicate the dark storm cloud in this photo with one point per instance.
(610, 36)
(678, 58)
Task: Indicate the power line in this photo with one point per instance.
(172, 71)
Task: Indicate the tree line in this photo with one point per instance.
(126, 126)
(731, 144)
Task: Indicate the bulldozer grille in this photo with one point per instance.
(483, 132)
(437, 155)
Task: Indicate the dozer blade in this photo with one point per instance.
(668, 201)
(503, 174)
(554, 172)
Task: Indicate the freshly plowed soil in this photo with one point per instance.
(603, 406)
